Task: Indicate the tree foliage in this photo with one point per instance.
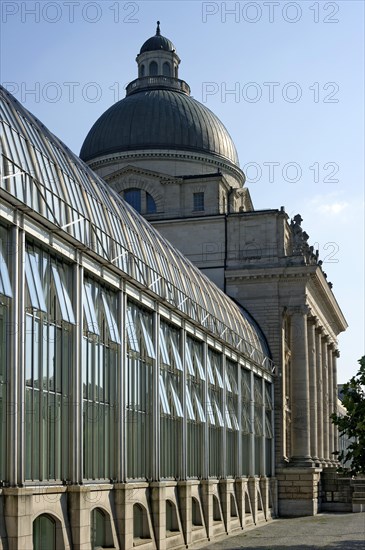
(352, 425)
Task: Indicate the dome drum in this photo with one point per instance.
(158, 83)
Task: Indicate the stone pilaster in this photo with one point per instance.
(126, 495)
(210, 488)
(300, 387)
(241, 489)
(18, 518)
(158, 504)
(226, 487)
(312, 360)
(79, 505)
(264, 489)
(186, 490)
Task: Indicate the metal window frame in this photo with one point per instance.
(210, 411)
(209, 370)
(163, 396)
(63, 297)
(147, 339)
(189, 359)
(5, 285)
(199, 408)
(90, 311)
(111, 322)
(132, 332)
(189, 404)
(175, 398)
(175, 351)
(34, 283)
(163, 348)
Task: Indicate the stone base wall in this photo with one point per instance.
(341, 494)
(298, 491)
(170, 514)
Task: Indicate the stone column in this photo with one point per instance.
(318, 333)
(300, 388)
(331, 457)
(312, 360)
(325, 401)
(336, 354)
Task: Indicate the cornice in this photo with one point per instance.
(106, 160)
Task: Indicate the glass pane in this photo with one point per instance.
(63, 297)
(133, 197)
(131, 332)
(44, 533)
(163, 348)
(163, 397)
(34, 283)
(112, 324)
(5, 287)
(89, 309)
(150, 204)
(147, 339)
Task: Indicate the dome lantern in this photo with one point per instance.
(158, 57)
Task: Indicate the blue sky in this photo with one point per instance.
(296, 111)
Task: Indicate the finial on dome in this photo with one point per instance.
(158, 32)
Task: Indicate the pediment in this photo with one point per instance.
(134, 174)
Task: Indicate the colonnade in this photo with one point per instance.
(314, 354)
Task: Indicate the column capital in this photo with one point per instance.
(301, 309)
(326, 339)
(313, 320)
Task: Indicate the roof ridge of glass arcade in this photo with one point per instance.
(50, 179)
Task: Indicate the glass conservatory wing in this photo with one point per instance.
(107, 223)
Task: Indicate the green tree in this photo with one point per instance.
(352, 424)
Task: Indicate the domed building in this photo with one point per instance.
(158, 144)
(171, 379)
(173, 160)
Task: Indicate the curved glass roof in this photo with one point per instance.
(55, 184)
